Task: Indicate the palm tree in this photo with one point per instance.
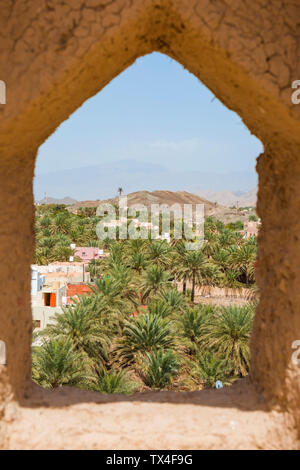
(175, 258)
(124, 279)
(57, 363)
(145, 333)
(226, 238)
(106, 288)
(209, 368)
(61, 239)
(159, 308)
(194, 267)
(137, 262)
(46, 242)
(211, 235)
(114, 381)
(116, 297)
(230, 279)
(243, 259)
(43, 256)
(228, 332)
(154, 279)
(134, 246)
(60, 223)
(62, 253)
(159, 368)
(44, 221)
(46, 232)
(159, 252)
(190, 327)
(120, 191)
(173, 298)
(222, 259)
(116, 257)
(213, 275)
(82, 329)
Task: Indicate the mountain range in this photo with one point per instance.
(230, 198)
(68, 201)
(102, 181)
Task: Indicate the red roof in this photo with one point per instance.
(78, 289)
(74, 290)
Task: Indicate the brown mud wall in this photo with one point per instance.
(54, 55)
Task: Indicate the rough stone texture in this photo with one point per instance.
(56, 54)
(277, 320)
(231, 418)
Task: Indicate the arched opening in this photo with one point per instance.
(252, 76)
(151, 129)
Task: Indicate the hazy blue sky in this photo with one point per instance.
(157, 112)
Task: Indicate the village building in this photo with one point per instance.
(89, 253)
(46, 299)
(251, 229)
(50, 289)
(64, 271)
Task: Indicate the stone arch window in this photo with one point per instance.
(245, 52)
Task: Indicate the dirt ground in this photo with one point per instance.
(221, 301)
(231, 418)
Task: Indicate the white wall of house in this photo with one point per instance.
(63, 267)
(38, 300)
(37, 281)
(44, 315)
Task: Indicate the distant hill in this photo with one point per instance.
(168, 198)
(68, 201)
(230, 198)
(171, 197)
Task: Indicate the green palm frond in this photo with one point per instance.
(159, 368)
(228, 332)
(145, 333)
(57, 363)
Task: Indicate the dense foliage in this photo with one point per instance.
(140, 327)
(226, 260)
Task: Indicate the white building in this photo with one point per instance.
(64, 272)
(47, 295)
(37, 281)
